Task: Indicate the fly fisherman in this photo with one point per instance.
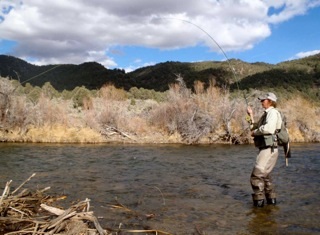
(264, 139)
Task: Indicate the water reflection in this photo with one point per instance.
(187, 189)
(263, 220)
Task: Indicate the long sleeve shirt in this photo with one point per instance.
(272, 122)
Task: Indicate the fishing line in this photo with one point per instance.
(221, 49)
(21, 83)
(40, 74)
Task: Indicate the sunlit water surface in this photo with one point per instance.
(188, 189)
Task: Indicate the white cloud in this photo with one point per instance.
(74, 31)
(306, 53)
(138, 64)
(290, 8)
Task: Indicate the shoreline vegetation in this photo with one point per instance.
(203, 115)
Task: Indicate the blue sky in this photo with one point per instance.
(131, 34)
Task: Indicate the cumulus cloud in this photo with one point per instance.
(75, 31)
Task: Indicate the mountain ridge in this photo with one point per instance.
(232, 73)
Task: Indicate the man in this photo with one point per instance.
(263, 133)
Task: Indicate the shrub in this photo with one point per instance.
(49, 91)
(110, 92)
(48, 112)
(34, 94)
(80, 95)
(13, 107)
(182, 114)
(145, 94)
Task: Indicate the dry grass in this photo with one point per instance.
(62, 134)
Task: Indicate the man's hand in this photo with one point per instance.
(250, 114)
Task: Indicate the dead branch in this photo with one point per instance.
(27, 213)
(110, 130)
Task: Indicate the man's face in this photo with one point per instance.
(266, 103)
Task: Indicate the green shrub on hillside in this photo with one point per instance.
(49, 91)
(145, 94)
(80, 95)
(34, 94)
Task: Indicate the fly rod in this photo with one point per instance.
(221, 49)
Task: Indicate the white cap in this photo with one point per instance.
(268, 96)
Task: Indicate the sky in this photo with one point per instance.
(129, 34)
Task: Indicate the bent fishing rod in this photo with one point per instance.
(220, 48)
(287, 146)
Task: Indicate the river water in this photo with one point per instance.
(201, 189)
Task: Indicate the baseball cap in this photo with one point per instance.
(269, 96)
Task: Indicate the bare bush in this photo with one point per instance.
(48, 112)
(108, 114)
(6, 92)
(18, 112)
(13, 107)
(227, 113)
(182, 114)
(193, 124)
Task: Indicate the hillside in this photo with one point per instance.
(302, 74)
(157, 77)
(92, 75)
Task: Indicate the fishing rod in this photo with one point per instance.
(221, 49)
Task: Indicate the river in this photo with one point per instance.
(202, 189)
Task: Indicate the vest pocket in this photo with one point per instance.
(262, 141)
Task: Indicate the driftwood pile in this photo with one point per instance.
(26, 212)
(23, 212)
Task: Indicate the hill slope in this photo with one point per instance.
(302, 74)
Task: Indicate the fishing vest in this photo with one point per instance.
(269, 140)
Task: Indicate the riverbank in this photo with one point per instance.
(208, 116)
(62, 134)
